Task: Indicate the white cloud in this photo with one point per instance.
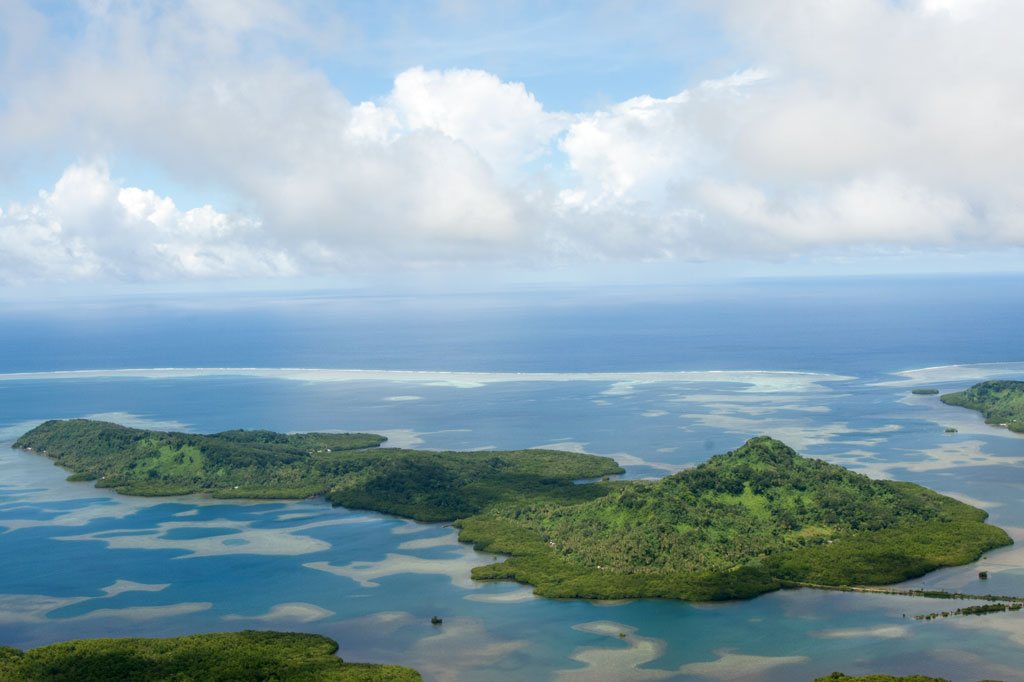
(854, 126)
(881, 210)
(502, 122)
(91, 227)
(634, 150)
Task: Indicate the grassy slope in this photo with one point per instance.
(740, 524)
(1001, 402)
(248, 656)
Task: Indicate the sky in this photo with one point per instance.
(453, 144)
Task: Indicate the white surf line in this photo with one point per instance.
(953, 373)
(761, 380)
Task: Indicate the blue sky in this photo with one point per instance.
(283, 144)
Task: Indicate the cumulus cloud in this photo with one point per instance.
(502, 122)
(89, 226)
(855, 125)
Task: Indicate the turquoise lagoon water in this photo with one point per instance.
(82, 562)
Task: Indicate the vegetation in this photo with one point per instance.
(839, 677)
(1001, 402)
(351, 469)
(743, 523)
(248, 656)
(980, 610)
(925, 391)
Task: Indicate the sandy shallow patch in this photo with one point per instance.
(798, 435)
(77, 517)
(242, 538)
(367, 572)
(465, 641)
(146, 612)
(400, 438)
(297, 612)
(881, 631)
(383, 622)
(622, 663)
(447, 540)
(409, 527)
(32, 608)
(121, 586)
(733, 666)
(1010, 623)
(615, 664)
(138, 421)
(511, 597)
(943, 456)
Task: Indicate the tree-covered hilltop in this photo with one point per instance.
(351, 469)
(840, 677)
(249, 656)
(742, 523)
(1001, 402)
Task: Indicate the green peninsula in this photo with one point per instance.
(743, 523)
(1000, 402)
(350, 469)
(248, 656)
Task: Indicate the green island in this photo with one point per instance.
(1001, 402)
(746, 522)
(249, 656)
(840, 677)
(349, 469)
(925, 391)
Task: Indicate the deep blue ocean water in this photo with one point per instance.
(843, 325)
(82, 562)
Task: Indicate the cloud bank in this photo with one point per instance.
(849, 127)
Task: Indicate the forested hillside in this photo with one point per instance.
(742, 523)
(1001, 402)
(349, 468)
(248, 656)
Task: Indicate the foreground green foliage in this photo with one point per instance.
(349, 468)
(248, 656)
(839, 677)
(743, 523)
(1001, 402)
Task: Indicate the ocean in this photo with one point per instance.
(660, 379)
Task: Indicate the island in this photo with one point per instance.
(745, 522)
(925, 391)
(756, 519)
(840, 677)
(249, 656)
(1001, 402)
(349, 469)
